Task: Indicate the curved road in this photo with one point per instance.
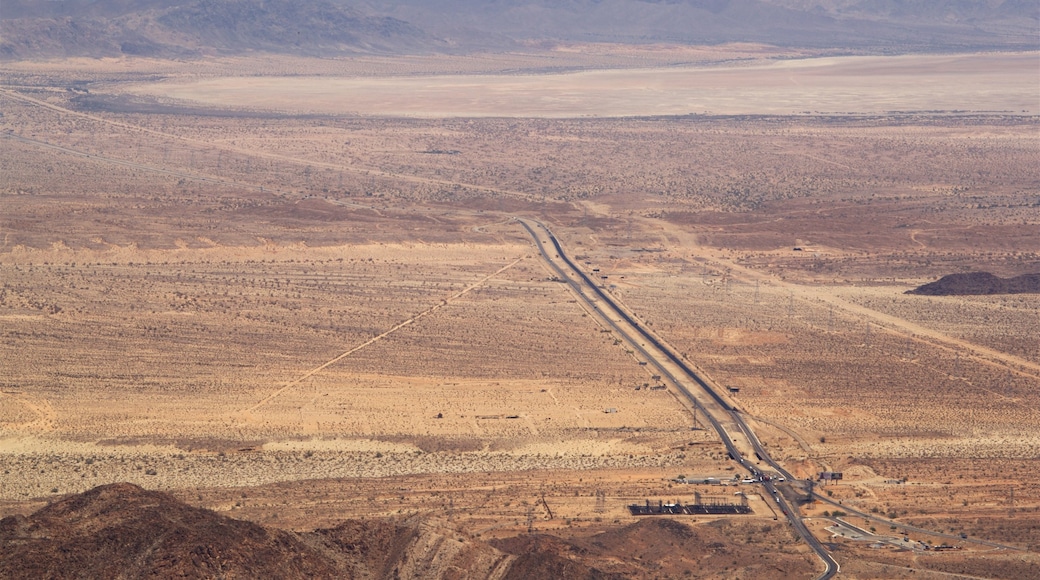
(626, 325)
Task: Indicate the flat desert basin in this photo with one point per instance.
(959, 83)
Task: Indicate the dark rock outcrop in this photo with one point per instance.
(979, 283)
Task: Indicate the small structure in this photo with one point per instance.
(610, 410)
(830, 475)
(703, 506)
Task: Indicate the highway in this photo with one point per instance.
(725, 420)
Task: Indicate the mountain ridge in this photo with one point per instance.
(32, 29)
(197, 28)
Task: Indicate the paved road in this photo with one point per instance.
(903, 526)
(714, 406)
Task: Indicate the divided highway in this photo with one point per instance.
(724, 419)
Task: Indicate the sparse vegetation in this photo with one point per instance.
(337, 314)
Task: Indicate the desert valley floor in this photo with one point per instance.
(299, 308)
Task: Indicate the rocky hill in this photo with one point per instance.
(123, 531)
(979, 283)
(664, 548)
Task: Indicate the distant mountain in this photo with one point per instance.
(886, 25)
(79, 8)
(164, 28)
(918, 10)
(58, 28)
(979, 283)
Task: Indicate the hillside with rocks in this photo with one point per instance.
(123, 531)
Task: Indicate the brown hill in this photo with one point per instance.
(666, 548)
(123, 531)
(979, 283)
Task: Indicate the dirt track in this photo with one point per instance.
(379, 337)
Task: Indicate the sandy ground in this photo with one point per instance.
(278, 316)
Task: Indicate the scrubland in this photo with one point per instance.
(300, 317)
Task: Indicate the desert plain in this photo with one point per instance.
(301, 300)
